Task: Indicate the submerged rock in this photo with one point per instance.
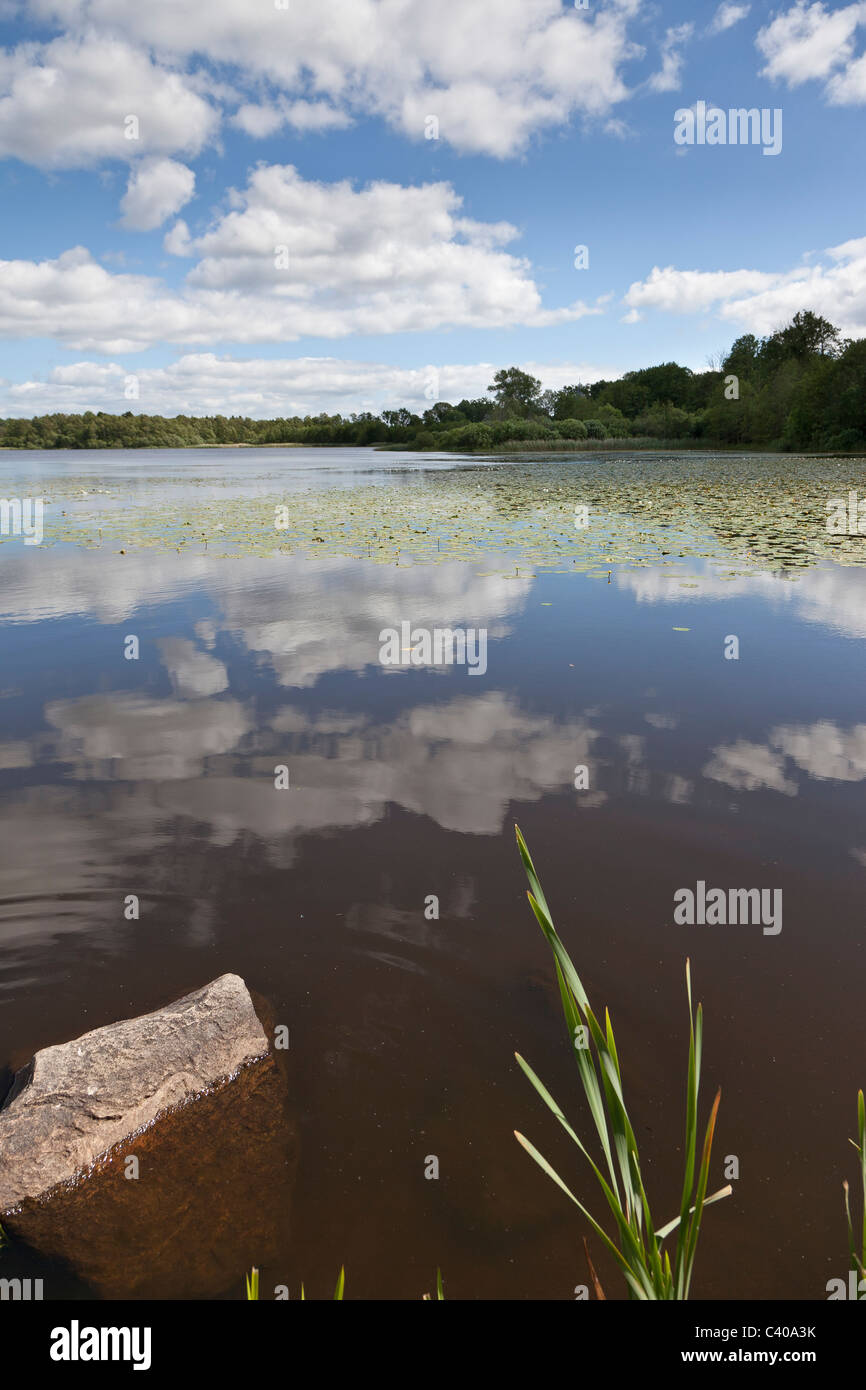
(193, 1095)
(74, 1101)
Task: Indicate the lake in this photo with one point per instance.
(640, 749)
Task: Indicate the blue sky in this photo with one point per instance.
(280, 237)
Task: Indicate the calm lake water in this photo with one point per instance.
(155, 777)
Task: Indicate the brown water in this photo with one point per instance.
(155, 777)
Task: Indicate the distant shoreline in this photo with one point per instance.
(514, 448)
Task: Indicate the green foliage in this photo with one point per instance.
(466, 438)
(742, 360)
(805, 337)
(475, 411)
(663, 420)
(571, 429)
(615, 424)
(515, 391)
(647, 1267)
(567, 402)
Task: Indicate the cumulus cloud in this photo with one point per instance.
(764, 300)
(291, 258)
(76, 300)
(267, 118)
(668, 78)
(494, 72)
(157, 189)
(371, 259)
(692, 291)
(727, 15)
(264, 387)
(809, 42)
(68, 104)
(848, 88)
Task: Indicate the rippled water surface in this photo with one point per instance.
(605, 649)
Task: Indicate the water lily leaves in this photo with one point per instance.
(740, 512)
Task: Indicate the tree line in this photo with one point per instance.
(803, 387)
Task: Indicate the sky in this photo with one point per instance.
(282, 207)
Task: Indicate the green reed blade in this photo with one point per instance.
(611, 1197)
(648, 1271)
(552, 1173)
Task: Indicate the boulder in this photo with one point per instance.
(74, 1101)
(192, 1093)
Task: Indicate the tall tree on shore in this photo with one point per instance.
(515, 391)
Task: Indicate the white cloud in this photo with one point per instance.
(764, 300)
(204, 383)
(65, 104)
(848, 88)
(266, 119)
(158, 188)
(727, 15)
(177, 240)
(692, 291)
(495, 72)
(79, 302)
(668, 79)
(809, 42)
(292, 258)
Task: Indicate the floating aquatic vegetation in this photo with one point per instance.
(740, 511)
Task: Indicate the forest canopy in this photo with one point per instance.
(803, 387)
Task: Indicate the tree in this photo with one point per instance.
(475, 410)
(808, 335)
(515, 391)
(742, 359)
(442, 414)
(400, 419)
(571, 429)
(566, 401)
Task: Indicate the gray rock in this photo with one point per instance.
(75, 1101)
